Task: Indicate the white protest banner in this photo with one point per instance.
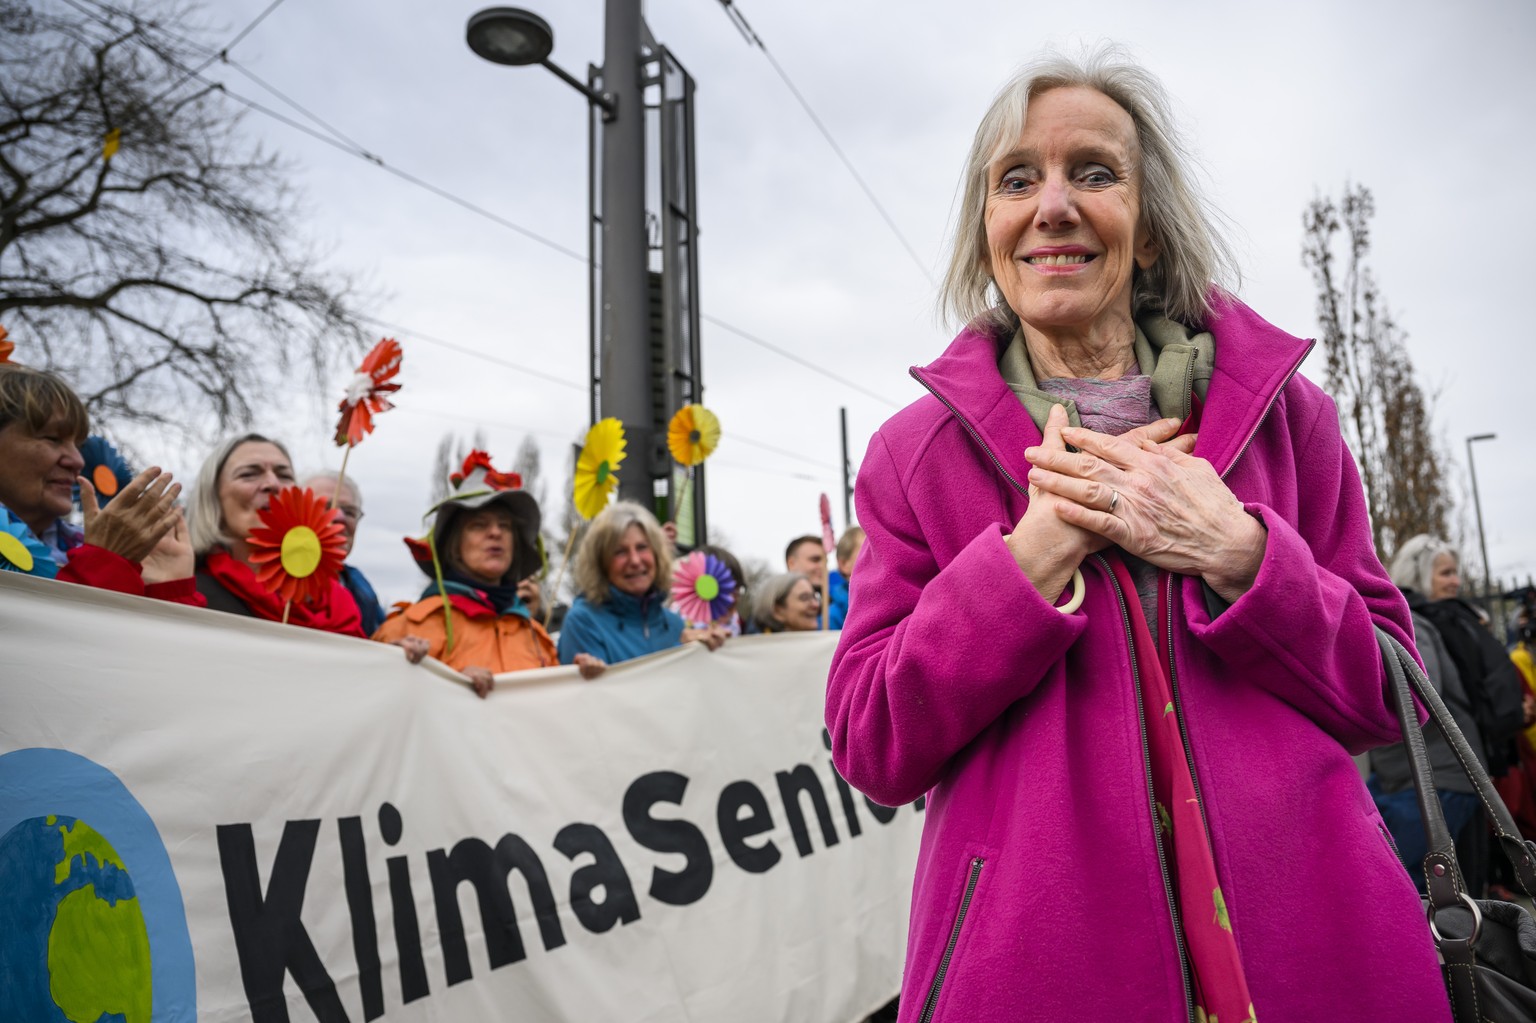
(204, 817)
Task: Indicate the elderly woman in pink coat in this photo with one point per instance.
(1115, 614)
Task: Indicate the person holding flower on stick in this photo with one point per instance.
(727, 607)
(474, 614)
(623, 568)
(234, 488)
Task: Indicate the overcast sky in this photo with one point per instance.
(1428, 104)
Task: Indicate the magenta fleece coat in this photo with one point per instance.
(1038, 893)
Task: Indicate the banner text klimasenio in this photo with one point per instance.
(207, 817)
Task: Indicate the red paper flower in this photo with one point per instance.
(299, 546)
(493, 479)
(366, 390)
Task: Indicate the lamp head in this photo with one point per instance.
(510, 35)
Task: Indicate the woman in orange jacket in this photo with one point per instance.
(474, 615)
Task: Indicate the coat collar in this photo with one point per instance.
(1254, 360)
(627, 605)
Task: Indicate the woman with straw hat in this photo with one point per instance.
(474, 615)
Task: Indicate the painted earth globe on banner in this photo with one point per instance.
(68, 902)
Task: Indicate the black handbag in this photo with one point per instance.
(1487, 947)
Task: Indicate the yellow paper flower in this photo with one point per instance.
(597, 466)
(693, 434)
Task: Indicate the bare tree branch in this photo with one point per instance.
(166, 280)
(1383, 413)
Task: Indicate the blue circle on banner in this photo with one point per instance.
(95, 927)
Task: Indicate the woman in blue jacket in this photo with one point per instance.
(622, 570)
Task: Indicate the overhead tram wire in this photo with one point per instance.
(792, 357)
(337, 140)
(332, 136)
(222, 54)
(417, 335)
(340, 142)
(358, 147)
(274, 5)
(782, 451)
(753, 39)
(345, 145)
(563, 382)
(459, 417)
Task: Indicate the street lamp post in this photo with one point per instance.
(623, 371)
(1478, 507)
(620, 369)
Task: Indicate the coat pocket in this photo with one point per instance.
(973, 877)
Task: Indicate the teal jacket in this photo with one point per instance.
(620, 628)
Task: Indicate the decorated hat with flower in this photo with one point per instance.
(477, 484)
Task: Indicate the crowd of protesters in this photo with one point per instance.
(1489, 687)
(482, 610)
(1090, 675)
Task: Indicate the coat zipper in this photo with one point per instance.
(969, 429)
(1188, 400)
(1146, 757)
(954, 938)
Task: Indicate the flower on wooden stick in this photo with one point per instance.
(299, 547)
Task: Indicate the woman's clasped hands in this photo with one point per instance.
(1143, 491)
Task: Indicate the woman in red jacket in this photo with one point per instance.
(136, 544)
(233, 487)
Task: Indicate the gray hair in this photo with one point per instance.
(205, 514)
(1193, 254)
(771, 596)
(326, 474)
(1414, 566)
(602, 539)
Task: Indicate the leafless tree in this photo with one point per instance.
(147, 250)
(527, 464)
(451, 452)
(564, 527)
(1384, 413)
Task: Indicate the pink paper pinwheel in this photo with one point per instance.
(703, 589)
